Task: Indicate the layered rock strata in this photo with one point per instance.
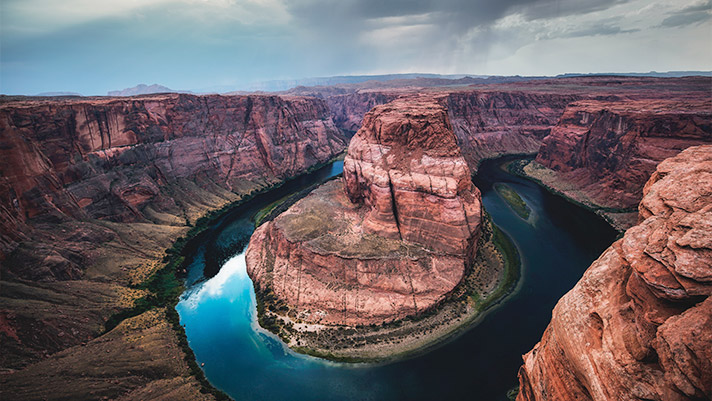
(490, 123)
(638, 325)
(92, 193)
(138, 159)
(348, 110)
(601, 153)
(391, 239)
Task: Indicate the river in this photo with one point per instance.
(556, 244)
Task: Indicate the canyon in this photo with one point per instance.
(391, 239)
(596, 139)
(93, 191)
(638, 325)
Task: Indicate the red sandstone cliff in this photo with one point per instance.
(348, 110)
(638, 325)
(94, 190)
(492, 123)
(608, 149)
(406, 166)
(400, 241)
(138, 159)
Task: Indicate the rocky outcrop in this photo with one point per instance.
(136, 159)
(608, 149)
(390, 240)
(406, 166)
(490, 123)
(638, 325)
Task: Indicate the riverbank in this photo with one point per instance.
(619, 219)
(491, 278)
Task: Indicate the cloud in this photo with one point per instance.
(91, 46)
(597, 28)
(694, 14)
(45, 16)
(557, 8)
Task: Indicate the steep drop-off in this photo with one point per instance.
(493, 123)
(391, 240)
(142, 159)
(348, 110)
(92, 193)
(94, 190)
(638, 325)
(601, 153)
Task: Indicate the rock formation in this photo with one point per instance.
(638, 325)
(610, 148)
(137, 159)
(390, 240)
(94, 190)
(490, 123)
(348, 110)
(406, 166)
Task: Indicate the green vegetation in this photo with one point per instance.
(513, 200)
(328, 355)
(265, 211)
(512, 265)
(517, 167)
(513, 393)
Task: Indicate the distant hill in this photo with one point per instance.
(142, 89)
(667, 74)
(58, 94)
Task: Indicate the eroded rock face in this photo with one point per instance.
(406, 166)
(138, 159)
(349, 109)
(638, 325)
(94, 190)
(610, 148)
(493, 123)
(391, 239)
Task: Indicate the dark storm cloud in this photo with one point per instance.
(599, 28)
(385, 33)
(458, 14)
(558, 8)
(695, 14)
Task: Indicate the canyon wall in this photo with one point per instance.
(139, 159)
(390, 240)
(93, 191)
(493, 123)
(608, 149)
(638, 325)
(348, 110)
(406, 166)
(487, 122)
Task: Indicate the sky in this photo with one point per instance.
(93, 46)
